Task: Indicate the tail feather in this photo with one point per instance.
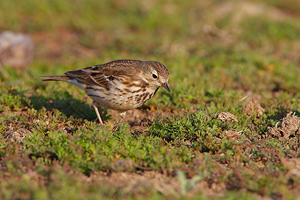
(62, 78)
(54, 78)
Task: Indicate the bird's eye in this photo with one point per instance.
(154, 76)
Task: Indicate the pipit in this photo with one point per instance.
(119, 85)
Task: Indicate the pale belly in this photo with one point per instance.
(119, 99)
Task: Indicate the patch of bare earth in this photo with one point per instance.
(132, 183)
(51, 46)
(293, 165)
(139, 119)
(246, 9)
(17, 135)
(16, 131)
(142, 182)
(238, 11)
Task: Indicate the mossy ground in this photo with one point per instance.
(220, 55)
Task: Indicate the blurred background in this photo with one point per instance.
(206, 45)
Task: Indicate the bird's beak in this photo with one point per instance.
(165, 85)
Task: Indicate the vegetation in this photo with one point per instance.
(224, 57)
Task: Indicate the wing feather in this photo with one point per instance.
(99, 74)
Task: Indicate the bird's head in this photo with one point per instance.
(157, 74)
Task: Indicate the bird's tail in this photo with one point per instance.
(54, 78)
(62, 78)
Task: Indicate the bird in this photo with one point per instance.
(120, 85)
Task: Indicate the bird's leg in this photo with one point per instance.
(97, 112)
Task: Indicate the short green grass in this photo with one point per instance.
(178, 148)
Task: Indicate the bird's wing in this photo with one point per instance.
(102, 75)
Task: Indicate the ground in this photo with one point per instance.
(229, 128)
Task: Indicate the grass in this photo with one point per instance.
(176, 146)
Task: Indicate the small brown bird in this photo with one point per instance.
(119, 85)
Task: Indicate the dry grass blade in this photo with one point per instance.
(290, 125)
(253, 108)
(226, 116)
